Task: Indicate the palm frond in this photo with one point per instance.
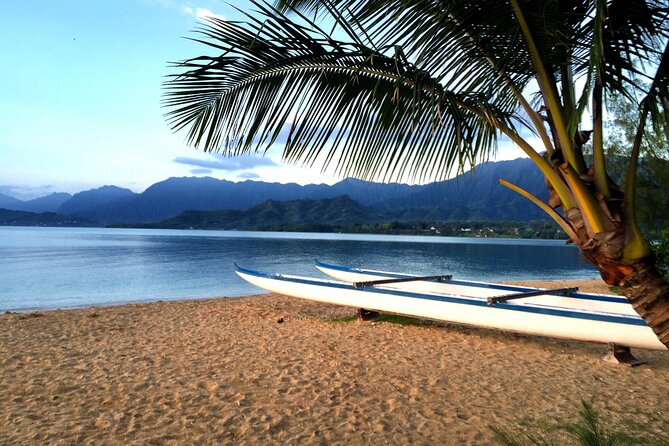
(417, 81)
(657, 99)
(369, 113)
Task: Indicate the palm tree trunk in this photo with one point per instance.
(642, 284)
(639, 280)
(648, 292)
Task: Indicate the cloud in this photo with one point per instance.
(201, 13)
(200, 171)
(231, 164)
(7, 190)
(26, 192)
(248, 175)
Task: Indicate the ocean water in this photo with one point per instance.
(48, 268)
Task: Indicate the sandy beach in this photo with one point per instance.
(270, 369)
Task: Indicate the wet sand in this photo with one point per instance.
(270, 369)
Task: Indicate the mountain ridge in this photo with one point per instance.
(471, 196)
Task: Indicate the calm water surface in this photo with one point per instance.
(44, 268)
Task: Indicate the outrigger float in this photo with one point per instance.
(558, 313)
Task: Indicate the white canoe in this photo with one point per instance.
(583, 317)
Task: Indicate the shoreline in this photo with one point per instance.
(273, 369)
(585, 285)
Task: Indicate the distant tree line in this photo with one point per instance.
(481, 229)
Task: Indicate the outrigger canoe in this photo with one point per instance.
(561, 313)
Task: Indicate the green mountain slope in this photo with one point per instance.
(336, 211)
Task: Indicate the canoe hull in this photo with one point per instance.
(575, 301)
(462, 311)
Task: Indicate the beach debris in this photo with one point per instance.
(30, 315)
(280, 320)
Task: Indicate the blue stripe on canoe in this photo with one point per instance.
(495, 286)
(620, 319)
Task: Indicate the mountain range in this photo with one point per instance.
(49, 203)
(475, 195)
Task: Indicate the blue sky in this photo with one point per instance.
(80, 82)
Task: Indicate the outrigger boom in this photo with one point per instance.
(401, 279)
(551, 292)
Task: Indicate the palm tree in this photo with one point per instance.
(413, 89)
